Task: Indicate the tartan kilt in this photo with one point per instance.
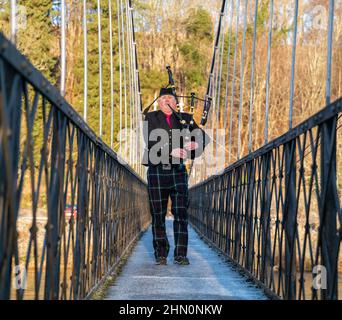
(162, 184)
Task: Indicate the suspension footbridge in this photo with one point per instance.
(264, 208)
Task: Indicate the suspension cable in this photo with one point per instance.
(13, 21)
(111, 74)
(130, 156)
(252, 79)
(242, 78)
(99, 33)
(228, 65)
(293, 63)
(85, 62)
(63, 50)
(124, 75)
(233, 83)
(268, 72)
(218, 98)
(209, 86)
(329, 51)
(120, 72)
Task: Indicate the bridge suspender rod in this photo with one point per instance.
(124, 74)
(130, 151)
(111, 74)
(213, 95)
(131, 92)
(85, 62)
(137, 88)
(208, 97)
(136, 58)
(63, 50)
(134, 105)
(242, 78)
(134, 79)
(216, 46)
(100, 62)
(225, 120)
(293, 63)
(209, 87)
(329, 51)
(214, 78)
(268, 72)
(211, 116)
(120, 72)
(218, 111)
(13, 21)
(221, 64)
(252, 80)
(233, 83)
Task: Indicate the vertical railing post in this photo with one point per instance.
(82, 207)
(55, 206)
(265, 216)
(249, 214)
(329, 238)
(237, 212)
(290, 219)
(221, 212)
(229, 212)
(63, 48)
(10, 123)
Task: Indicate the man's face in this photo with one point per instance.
(166, 101)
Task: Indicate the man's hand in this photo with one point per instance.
(192, 145)
(179, 153)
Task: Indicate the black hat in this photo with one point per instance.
(166, 91)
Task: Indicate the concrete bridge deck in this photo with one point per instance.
(208, 277)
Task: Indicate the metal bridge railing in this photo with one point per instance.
(276, 213)
(69, 208)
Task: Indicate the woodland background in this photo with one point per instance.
(182, 33)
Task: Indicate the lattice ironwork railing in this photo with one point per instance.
(68, 207)
(276, 213)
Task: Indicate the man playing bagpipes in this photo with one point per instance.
(171, 137)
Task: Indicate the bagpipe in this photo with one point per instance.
(192, 97)
(187, 126)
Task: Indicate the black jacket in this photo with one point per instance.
(173, 138)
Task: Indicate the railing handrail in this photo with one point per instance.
(321, 116)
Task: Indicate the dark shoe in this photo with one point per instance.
(181, 260)
(161, 261)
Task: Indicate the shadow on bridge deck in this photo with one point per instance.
(207, 277)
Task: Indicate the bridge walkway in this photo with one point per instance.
(208, 277)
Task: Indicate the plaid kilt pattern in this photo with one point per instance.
(161, 185)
